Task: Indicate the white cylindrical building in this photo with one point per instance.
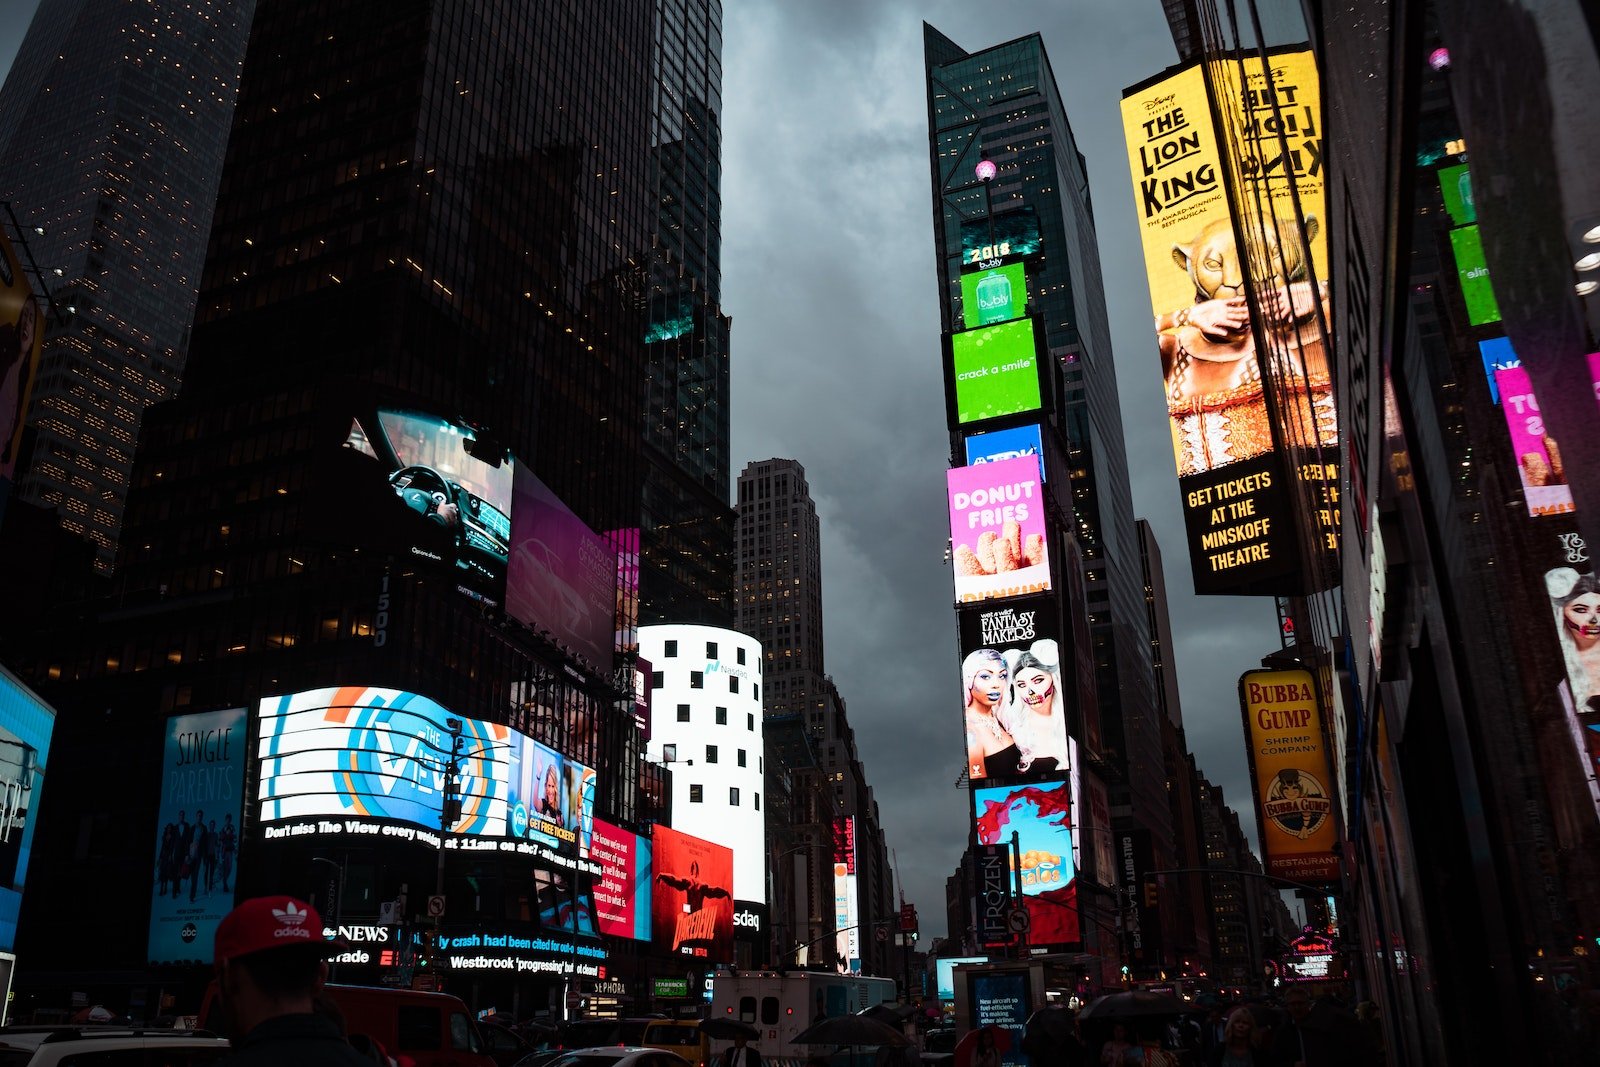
(705, 722)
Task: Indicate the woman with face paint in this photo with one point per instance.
(1576, 600)
(1036, 714)
(991, 750)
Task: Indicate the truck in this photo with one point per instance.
(783, 1004)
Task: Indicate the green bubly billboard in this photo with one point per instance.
(995, 371)
(996, 295)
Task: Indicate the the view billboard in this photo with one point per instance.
(21, 338)
(998, 294)
(367, 761)
(995, 371)
(622, 891)
(997, 530)
(1006, 444)
(26, 724)
(1539, 463)
(1014, 709)
(1040, 815)
(1290, 769)
(1477, 289)
(197, 833)
(1234, 487)
(562, 577)
(691, 903)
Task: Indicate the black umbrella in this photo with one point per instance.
(722, 1028)
(850, 1030)
(1048, 1028)
(889, 1014)
(1134, 1004)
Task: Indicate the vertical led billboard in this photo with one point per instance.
(1477, 289)
(998, 294)
(21, 337)
(691, 902)
(846, 914)
(1575, 607)
(997, 530)
(1539, 463)
(1006, 444)
(1041, 817)
(1497, 355)
(1000, 1000)
(1014, 709)
(995, 371)
(1289, 766)
(1235, 492)
(622, 892)
(197, 833)
(549, 797)
(562, 576)
(26, 725)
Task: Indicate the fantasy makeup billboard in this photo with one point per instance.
(367, 761)
(1218, 310)
(1013, 705)
(998, 294)
(1006, 444)
(562, 577)
(622, 892)
(1539, 463)
(26, 726)
(197, 833)
(1041, 817)
(691, 903)
(997, 530)
(1289, 766)
(995, 371)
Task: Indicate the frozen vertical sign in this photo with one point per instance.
(197, 833)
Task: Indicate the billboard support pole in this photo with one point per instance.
(444, 828)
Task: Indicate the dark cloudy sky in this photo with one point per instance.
(829, 274)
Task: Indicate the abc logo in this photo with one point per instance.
(747, 918)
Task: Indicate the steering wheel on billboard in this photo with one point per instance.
(428, 493)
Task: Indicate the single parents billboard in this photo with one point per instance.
(997, 530)
(691, 902)
(26, 725)
(995, 371)
(562, 577)
(1041, 816)
(622, 891)
(1014, 707)
(1289, 766)
(197, 833)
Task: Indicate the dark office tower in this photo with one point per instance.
(1002, 104)
(113, 122)
(407, 447)
(688, 526)
(1282, 22)
(779, 586)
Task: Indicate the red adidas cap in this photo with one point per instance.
(264, 923)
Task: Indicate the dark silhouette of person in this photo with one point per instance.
(197, 852)
(695, 891)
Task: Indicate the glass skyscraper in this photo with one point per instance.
(113, 122)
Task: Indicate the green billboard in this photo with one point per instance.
(997, 295)
(996, 371)
(1476, 288)
(1456, 185)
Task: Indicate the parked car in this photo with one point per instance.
(504, 1045)
(616, 1056)
(681, 1036)
(49, 1046)
(592, 1033)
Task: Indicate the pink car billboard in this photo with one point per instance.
(997, 530)
(562, 576)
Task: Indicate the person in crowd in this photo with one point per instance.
(1239, 1046)
(1120, 1048)
(740, 1054)
(270, 967)
(227, 844)
(991, 750)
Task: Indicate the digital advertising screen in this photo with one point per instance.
(997, 530)
(1040, 815)
(1000, 1000)
(1006, 444)
(846, 914)
(1539, 463)
(21, 338)
(197, 833)
(691, 903)
(1456, 185)
(1289, 766)
(26, 726)
(1477, 289)
(944, 975)
(1142, 924)
(368, 761)
(562, 576)
(1096, 825)
(565, 901)
(1240, 527)
(626, 545)
(1497, 355)
(1575, 616)
(997, 236)
(622, 891)
(998, 294)
(1014, 707)
(996, 371)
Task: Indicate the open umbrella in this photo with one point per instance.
(982, 1047)
(723, 1028)
(1133, 1004)
(889, 1014)
(96, 1014)
(1048, 1029)
(850, 1030)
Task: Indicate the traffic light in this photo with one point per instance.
(1152, 893)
